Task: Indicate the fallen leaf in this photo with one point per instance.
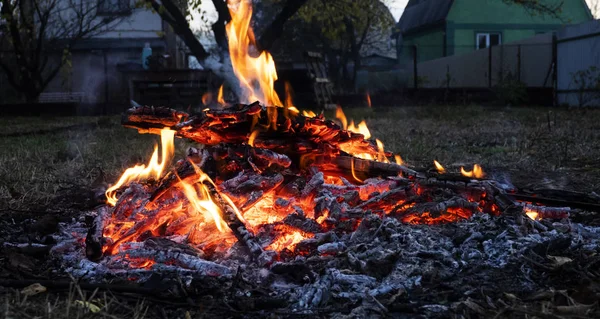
(33, 290)
(559, 261)
(86, 304)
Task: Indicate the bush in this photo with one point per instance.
(587, 85)
(510, 90)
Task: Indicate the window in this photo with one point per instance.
(486, 40)
(106, 7)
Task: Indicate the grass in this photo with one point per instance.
(545, 147)
(34, 168)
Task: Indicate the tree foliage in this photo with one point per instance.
(38, 35)
(345, 30)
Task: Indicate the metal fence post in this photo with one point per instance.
(519, 63)
(555, 68)
(490, 67)
(415, 67)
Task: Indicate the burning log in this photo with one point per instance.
(234, 125)
(236, 225)
(542, 212)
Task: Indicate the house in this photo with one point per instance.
(100, 65)
(106, 69)
(440, 28)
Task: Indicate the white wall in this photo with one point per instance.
(141, 24)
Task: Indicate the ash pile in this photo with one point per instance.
(291, 213)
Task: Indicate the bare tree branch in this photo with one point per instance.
(38, 30)
(275, 29)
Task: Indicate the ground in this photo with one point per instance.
(53, 168)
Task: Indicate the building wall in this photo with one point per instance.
(429, 45)
(469, 17)
(142, 23)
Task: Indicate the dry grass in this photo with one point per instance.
(549, 147)
(74, 303)
(34, 168)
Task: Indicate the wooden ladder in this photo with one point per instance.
(322, 86)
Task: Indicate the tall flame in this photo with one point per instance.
(257, 74)
(154, 169)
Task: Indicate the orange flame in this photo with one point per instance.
(533, 215)
(354, 172)
(339, 114)
(477, 172)
(253, 137)
(206, 98)
(256, 72)
(309, 114)
(439, 167)
(289, 102)
(154, 169)
(368, 99)
(381, 152)
(361, 128)
(199, 197)
(220, 98)
(398, 159)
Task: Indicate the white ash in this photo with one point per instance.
(383, 257)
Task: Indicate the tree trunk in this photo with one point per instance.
(218, 27)
(275, 29)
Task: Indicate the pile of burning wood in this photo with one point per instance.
(274, 185)
(276, 202)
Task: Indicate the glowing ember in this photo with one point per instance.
(288, 241)
(368, 99)
(477, 172)
(439, 167)
(153, 169)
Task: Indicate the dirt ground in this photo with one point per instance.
(53, 168)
